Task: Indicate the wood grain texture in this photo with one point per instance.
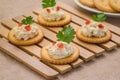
(33, 60)
(28, 60)
(35, 50)
(85, 54)
(82, 15)
(52, 37)
(91, 47)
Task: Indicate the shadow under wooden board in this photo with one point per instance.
(30, 55)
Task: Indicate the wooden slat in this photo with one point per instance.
(35, 50)
(74, 64)
(48, 35)
(80, 22)
(9, 23)
(77, 63)
(32, 59)
(62, 68)
(113, 28)
(91, 47)
(3, 31)
(28, 60)
(77, 12)
(85, 54)
(108, 45)
(44, 42)
(116, 39)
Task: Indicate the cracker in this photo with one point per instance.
(103, 5)
(106, 38)
(46, 58)
(115, 4)
(55, 23)
(89, 3)
(31, 41)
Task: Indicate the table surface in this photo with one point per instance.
(105, 67)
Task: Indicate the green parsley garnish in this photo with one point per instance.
(48, 3)
(66, 34)
(28, 20)
(99, 17)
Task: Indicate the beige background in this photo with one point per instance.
(105, 67)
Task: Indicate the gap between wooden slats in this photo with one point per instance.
(28, 60)
(108, 45)
(65, 69)
(115, 38)
(77, 12)
(90, 47)
(85, 55)
(33, 49)
(47, 33)
(81, 22)
(86, 45)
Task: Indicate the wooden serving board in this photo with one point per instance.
(30, 55)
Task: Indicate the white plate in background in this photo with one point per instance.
(96, 10)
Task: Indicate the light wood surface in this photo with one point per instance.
(27, 60)
(85, 71)
(33, 50)
(83, 51)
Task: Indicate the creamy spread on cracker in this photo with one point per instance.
(93, 29)
(25, 32)
(60, 50)
(53, 14)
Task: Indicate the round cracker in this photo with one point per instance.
(115, 4)
(46, 58)
(14, 40)
(103, 5)
(106, 38)
(89, 3)
(55, 23)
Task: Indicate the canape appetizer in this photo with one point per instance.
(26, 33)
(94, 31)
(52, 15)
(61, 51)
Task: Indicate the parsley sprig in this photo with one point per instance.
(48, 3)
(28, 20)
(99, 17)
(66, 34)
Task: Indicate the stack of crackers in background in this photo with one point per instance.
(103, 5)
